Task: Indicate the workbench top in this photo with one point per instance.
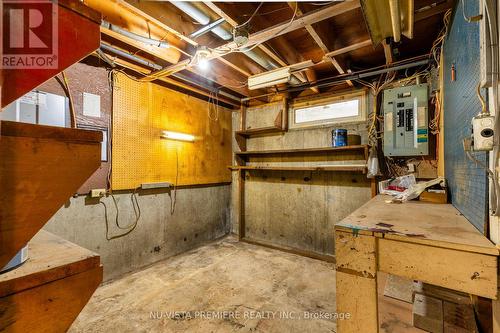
(417, 222)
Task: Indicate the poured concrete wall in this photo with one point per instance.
(201, 215)
(297, 209)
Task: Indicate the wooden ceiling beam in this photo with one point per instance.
(387, 52)
(434, 10)
(310, 75)
(319, 41)
(135, 20)
(300, 22)
(349, 48)
(217, 10)
(175, 26)
(144, 71)
(169, 55)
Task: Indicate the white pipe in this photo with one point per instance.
(223, 33)
(201, 18)
(139, 38)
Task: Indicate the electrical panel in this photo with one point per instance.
(406, 123)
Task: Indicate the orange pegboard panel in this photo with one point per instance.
(141, 111)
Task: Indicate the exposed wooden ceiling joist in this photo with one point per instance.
(434, 10)
(216, 9)
(133, 19)
(319, 41)
(144, 71)
(299, 22)
(349, 48)
(169, 55)
(310, 75)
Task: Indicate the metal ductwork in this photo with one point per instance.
(202, 18)
(157, 67)
(400, 22)
(139, 38)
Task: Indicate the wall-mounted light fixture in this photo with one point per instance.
(177, 136)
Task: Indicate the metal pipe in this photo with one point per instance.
(105, 58)
(348, 77)
(139, 38)
(207, 28)
(129, 56)
(395, 19)
(201, 17)
(223, 33)
(180, 76)
(166, 71)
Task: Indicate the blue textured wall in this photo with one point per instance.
(468, 183)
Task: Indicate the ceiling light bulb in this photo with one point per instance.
(203, 64)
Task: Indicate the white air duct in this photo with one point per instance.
(269, 79)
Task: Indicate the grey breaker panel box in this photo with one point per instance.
(406, 121)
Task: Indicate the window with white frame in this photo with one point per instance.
(344, 108)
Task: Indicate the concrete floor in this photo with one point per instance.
(225, 286)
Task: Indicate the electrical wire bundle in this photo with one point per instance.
(375, 88)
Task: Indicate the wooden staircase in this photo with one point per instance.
(41, 167)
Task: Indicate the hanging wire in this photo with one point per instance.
(269, 12)
(251, 17)
(173, 198)
(242, 49)
(129, 228)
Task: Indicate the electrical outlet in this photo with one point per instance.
(411, 167)
(97, 193)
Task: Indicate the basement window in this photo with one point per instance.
(345, 108)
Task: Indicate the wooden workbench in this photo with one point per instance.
(428, 242)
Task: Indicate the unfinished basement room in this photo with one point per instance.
(240, 166)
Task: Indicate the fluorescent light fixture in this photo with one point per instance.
(177, 136)
(270, 78)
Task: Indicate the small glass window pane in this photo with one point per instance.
(328, 111)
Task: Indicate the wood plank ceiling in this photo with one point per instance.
(337, 40)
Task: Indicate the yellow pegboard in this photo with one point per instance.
(141, 111)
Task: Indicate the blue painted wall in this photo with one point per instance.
(468, 183)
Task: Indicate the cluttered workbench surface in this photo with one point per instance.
(417, 222)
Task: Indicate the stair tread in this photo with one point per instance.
(16, 129)
(50, 258)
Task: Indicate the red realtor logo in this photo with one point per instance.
(30, 34)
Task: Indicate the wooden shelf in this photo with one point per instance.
(353, 168)
(326, 150)
(260, 131)
(59, 276)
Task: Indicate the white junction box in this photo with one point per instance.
(406, 121)
(482, 132)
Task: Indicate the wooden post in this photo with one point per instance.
(356, 282)
(241, 204)
(495, 307)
